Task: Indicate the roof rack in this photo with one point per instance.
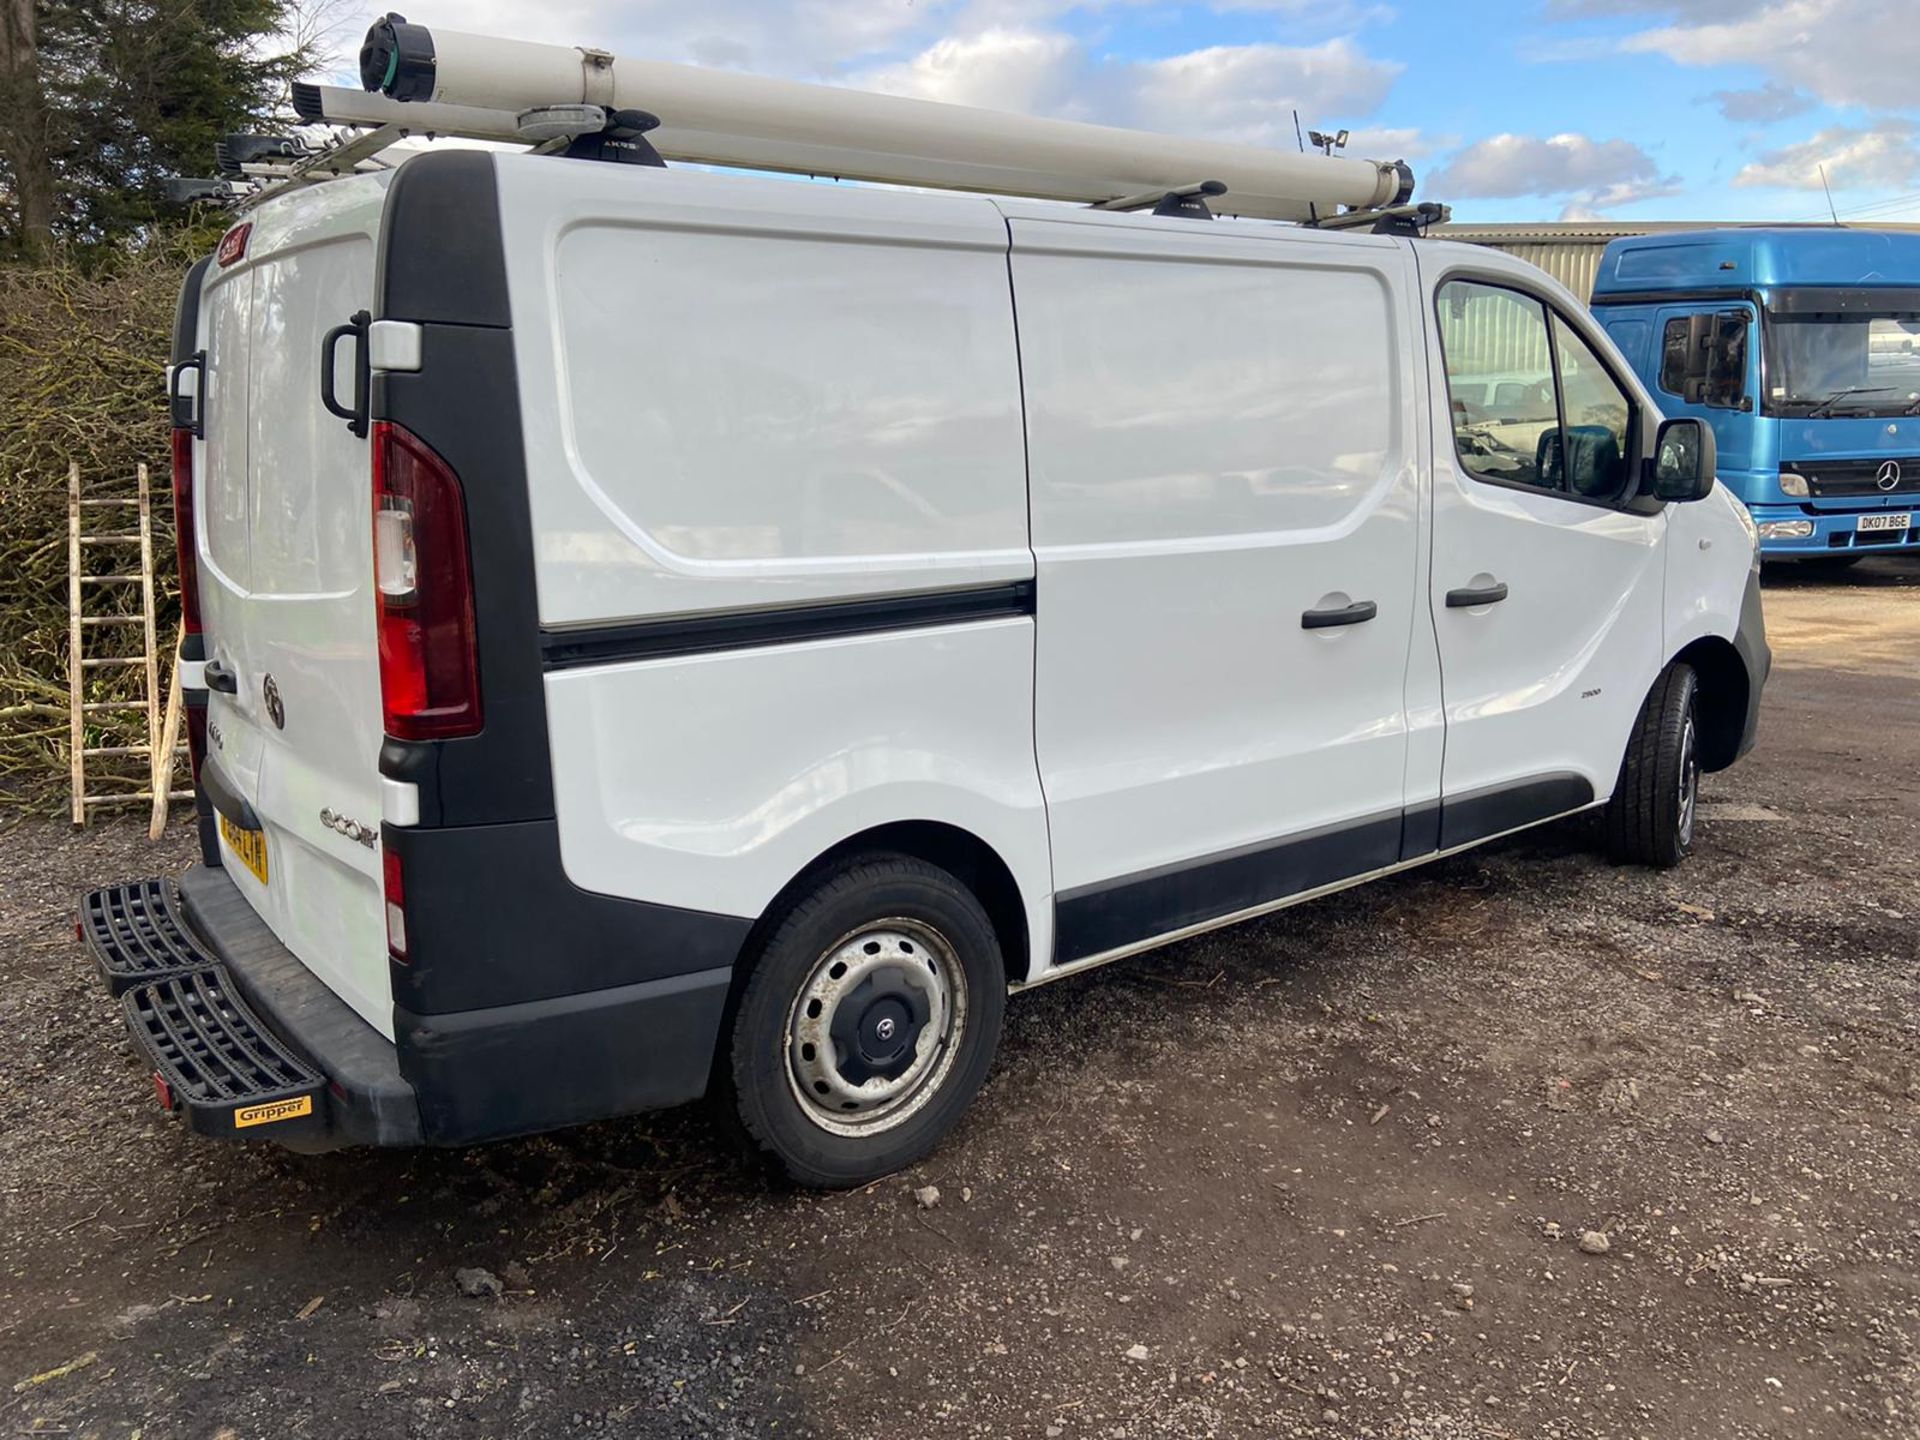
(432, 83)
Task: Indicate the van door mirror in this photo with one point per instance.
(1684, 459)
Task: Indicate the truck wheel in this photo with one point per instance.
(868, 1022)
(1650, 818)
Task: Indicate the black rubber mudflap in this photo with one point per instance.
(215, 1061)
(136, 935)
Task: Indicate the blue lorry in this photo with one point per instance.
(1800, 346)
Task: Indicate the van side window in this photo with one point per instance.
(1500, 384)
(1597, 417)
(1532, 404)
(1703, 359)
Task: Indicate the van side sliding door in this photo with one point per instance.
(1225, 475)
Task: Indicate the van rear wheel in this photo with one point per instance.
(868, 1023)
(1650, 819)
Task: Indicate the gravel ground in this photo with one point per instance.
(1338, 1173)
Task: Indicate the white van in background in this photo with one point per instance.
(744, 629)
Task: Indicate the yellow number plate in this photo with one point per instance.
(249, 845)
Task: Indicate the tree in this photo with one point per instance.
(104, 99)
(26, 168)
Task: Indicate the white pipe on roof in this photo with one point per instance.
(723, 118)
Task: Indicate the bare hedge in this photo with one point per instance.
(83, 356)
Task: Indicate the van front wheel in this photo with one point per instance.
(1650, 818)
(868, 1022)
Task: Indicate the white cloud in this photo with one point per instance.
(1593, 175)
(1848, 52)
(1397, 143)
(1236, 92)
(1023, 70)
(1249, 92)
(1770, 102)
(1881, 157)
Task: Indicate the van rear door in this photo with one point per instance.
(294, 718)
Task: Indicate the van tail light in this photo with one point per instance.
(183, 530)
(423, 583)
(394, 881)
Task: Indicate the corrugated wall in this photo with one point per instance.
(1494, 339)
(1574, 263)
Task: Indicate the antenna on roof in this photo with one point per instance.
(1829, 189)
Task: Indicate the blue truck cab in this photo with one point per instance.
(1800, 346)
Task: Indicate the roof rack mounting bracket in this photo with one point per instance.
(1187, 201)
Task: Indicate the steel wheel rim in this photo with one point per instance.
(897, 970)
(1689, 782)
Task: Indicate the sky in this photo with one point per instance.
(1508, 110)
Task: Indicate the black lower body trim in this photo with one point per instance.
(1750, 643)
(493, 920)
(1420, 830)
(1097, 918)
(748, 629)
(487, 1074)
(1497, 809)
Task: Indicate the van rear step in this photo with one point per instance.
(214, 1060)
(136, 935)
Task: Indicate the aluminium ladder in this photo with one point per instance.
(91, 668)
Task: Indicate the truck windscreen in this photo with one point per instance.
(1843, 364)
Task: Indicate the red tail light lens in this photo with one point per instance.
(183, 530)
(423, 584)
(393, 876)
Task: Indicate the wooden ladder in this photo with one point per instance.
(92, 571)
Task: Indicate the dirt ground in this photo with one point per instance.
(1323, 1175)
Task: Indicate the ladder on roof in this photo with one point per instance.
(113, 722)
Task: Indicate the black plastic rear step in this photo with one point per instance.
(212, 1058)
(136, 936)
(216, 1062)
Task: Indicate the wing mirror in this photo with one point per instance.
(1684, 460)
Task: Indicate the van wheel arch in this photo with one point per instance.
(1721, 706)
(961, 853)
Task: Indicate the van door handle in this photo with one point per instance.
(356, 417)
(1358, 613)
(220, 678)
(1467, 598)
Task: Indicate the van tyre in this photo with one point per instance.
(867, 1023)
(1650, 819)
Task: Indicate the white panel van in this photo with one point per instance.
(659, 633)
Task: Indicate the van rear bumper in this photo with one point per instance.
(446, 1079)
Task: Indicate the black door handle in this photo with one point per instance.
(189, 412)
(1357, 613)
(1485, 595)
(220, 678)
(356, 328)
